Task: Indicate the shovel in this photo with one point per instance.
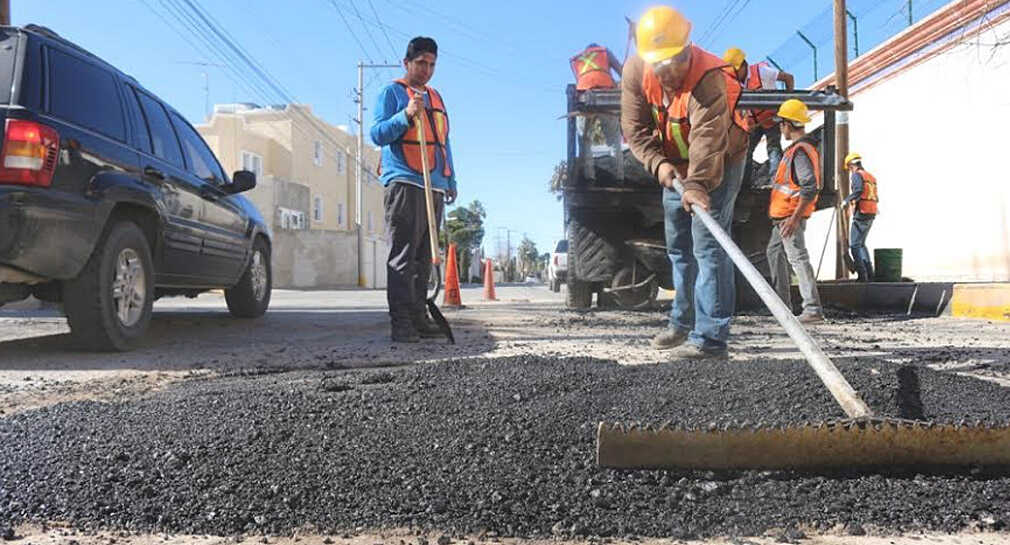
(860, 440)
(436, 259)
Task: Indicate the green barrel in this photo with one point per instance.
(887, 264)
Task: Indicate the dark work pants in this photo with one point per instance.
(409, 265)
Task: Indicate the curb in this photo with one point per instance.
(985, 301)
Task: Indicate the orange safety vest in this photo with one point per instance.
(868, 200)
(764, 118)
(436, 133)
(785, 195)
(673, 121)
(592, 69)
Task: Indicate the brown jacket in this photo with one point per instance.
(714, 138)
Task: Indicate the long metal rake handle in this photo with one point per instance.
(840, 388)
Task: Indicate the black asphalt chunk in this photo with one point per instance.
(489, 447)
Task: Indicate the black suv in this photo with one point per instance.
(109, 199)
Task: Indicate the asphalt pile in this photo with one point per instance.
(494, 447)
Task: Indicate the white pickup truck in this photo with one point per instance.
(557, 269)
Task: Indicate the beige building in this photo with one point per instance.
(306, 190)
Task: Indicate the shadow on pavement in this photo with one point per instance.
(213, 339)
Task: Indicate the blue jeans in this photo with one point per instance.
(702, 272)
(857, 246)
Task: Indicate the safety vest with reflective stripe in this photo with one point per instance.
(785, 195)
(868, 200)
(436, 133)
(592, 69)
(764, 118)
(672, 120)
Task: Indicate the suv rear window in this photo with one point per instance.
(85, 94)
(562, 247)
(8, 53)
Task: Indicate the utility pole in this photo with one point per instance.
(5, 12)
(359, 203)
(841, 139)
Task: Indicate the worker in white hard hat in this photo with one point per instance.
(795, 188)
(678, 115)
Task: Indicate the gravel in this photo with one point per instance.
(495, 447)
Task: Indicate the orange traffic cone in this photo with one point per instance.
(489, 282)
(452, 298)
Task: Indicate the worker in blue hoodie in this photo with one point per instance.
(399, 109)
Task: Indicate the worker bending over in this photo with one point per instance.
(863, 203)
(795, 189)
(679, 118)
(399, 109)
(754, 77)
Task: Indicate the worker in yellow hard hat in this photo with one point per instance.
(755, 77)
(862, 201)
(679, 118)
(795, 188)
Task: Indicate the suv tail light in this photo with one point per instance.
(556, 261)
(29, 154)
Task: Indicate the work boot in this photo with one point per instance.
(810, 317)
(425, 327)
(403, 331)
(669, 338)
(691, 351)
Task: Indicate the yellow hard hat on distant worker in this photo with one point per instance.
(794, 110)
(662, 33)
(735, 57)
(852, 157)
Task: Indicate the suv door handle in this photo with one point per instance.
(154, 173)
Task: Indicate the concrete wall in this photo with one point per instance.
(315, 259)
(933, 134)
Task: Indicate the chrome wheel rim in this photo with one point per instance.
(258, 274)
(129, 288)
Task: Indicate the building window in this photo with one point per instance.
(340, 214)
(341, 162)
(317, 209)
(317, 154)
(369, 221)
(253, 163)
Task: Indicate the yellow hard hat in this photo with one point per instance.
(735, 57)
(852, 157)
(794, 110)
(662, 33)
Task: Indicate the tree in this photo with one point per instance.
(558, 180)
(528, 255)
(465, 227)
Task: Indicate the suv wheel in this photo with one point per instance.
(251, 296)
(109, 304)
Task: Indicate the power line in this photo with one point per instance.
(736, 14)
(367, 32)
(351, 30)
(382, 27)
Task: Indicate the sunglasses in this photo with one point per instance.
(679, 58)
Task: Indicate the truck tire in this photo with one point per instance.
(251, 296)
(109, 304)
(579, 295)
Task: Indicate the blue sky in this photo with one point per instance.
(502, 68)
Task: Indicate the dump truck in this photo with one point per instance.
(613, 208)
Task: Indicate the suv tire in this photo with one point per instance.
(251, 296)
(109, 304)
